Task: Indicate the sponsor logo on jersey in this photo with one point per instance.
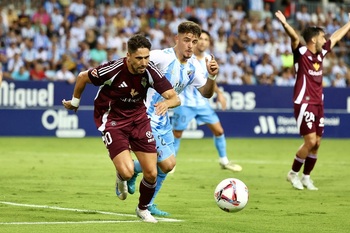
(316, 66)
(133, 93)
(315, 73)
(149, 134)
(143, 81)
(123, 84)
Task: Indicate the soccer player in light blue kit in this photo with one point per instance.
(178, 66)
(194, 105)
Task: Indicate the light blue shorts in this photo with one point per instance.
(165, 144)
(183, 115)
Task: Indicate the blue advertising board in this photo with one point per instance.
(31, 108)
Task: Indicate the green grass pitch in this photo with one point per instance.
(67, 185)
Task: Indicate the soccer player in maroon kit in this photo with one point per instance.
(120, 115)
(308, 95)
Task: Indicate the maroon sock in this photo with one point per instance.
(310, 162)
(146, 193)
(297, 163)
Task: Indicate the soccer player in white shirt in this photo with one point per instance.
(195, 106)
(177, 64)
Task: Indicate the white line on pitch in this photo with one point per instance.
(54, 223)
(82, 210)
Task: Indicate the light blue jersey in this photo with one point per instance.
(180, 75)
(191, 97)
(194, 105)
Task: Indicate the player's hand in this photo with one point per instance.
(279, 15)
(220, 98)
(67, 104)
(161, 108)
(212, 65)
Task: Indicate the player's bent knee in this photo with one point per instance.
(168, 166)
(177, 133)
(126, 173)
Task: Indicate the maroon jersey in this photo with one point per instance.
(121, 96)
(308, 67)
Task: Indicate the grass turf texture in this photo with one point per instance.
(77, 174)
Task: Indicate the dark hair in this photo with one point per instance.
(138, 41)
(311, 32)
(189, 27)
(207, 33)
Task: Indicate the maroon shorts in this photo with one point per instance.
(310, 118)
(134, 136)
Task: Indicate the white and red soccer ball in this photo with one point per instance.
(231, 195)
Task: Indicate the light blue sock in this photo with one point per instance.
(137, 167)
(176, 144)
(220, 144)
(160, 178)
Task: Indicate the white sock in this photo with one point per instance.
(224, 160)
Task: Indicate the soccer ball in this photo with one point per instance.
(231, 195)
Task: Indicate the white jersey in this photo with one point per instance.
(191, 97)
(180, 76)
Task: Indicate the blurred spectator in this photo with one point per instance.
(178, 7)
(29, 52)
(303, 17)
(266, 12)
(119, 22)
(288, 8)
(65, 75)
(98, 54)
(12, 50)
(77, 8)
(15, 63)
(339, 67)
(264, 71)
(21, 75)
(318, 18)
(83, 57)
(41, 40)
(41, 17)
(90, 20)
(68, 61)
(339, 80)
(37, 72)
(156, 36)
(287, 59)
(27, 31)
(238, 12)
(248, 77)
(285, 78)
(12, 16)
(54, 54)
(232, 73)
(50, 5)
(201, 12)
(57, 18)
(342, 17)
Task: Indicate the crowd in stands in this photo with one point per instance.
(59, 38)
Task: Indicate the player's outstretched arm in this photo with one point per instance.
(172, 100)
(79, 87)
(208, 89)
(339, 34)
(288, 29)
